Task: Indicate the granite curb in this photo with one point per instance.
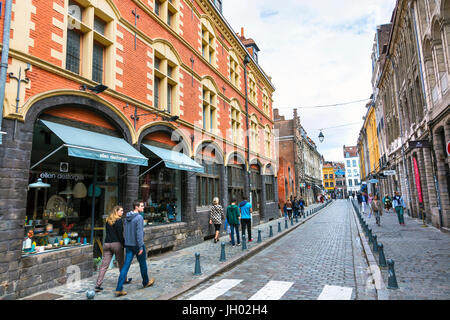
(239, 259)
(382, 292)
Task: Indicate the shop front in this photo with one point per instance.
(75, 180)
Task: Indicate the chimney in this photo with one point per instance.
(295, 113)
(242, 32)
(276, 115)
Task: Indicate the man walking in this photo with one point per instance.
(296, 206)
(301, 203)
(134, 246)
(246, 217)
(399, 206)
(233, 220)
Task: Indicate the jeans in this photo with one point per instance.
(234, 227)
(377, 217)
(247, 223)
(399, 211)
(130, 253)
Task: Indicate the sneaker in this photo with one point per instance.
(238, 244)
(128, 281)
(98, 289)
(121, 293)
(150, 283)
(250, 240)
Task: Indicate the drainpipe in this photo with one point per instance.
(4, 61)
(246, 61)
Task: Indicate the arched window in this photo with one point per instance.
(208, 41)
(234, 69)
(235, 122)
(209, 97)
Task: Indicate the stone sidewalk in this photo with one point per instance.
(174, 271)
(421, 256)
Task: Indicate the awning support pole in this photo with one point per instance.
(150, 168)
(93, 203)
(48, 156)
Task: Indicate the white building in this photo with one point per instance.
(352, 174)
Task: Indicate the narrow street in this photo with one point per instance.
(321, 259)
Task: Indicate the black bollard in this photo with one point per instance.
(296, 219)
(244, 243)
(271, 232)
(197, 269)
(285, 224)
(292, 221)
(279, 226)
(392, 280)
(382, 259)
(259, 236)
(370, 236)
(222, 253)
(375, 243)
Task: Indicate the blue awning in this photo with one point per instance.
(176, 160)
(92, 145)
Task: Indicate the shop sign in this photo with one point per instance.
(417, 178)
(373, 180)
(302, 185)
(389, 172)
(61, 176)
(419, 144)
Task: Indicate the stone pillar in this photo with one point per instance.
(442, 178)
(224, 185)
(263, 199)
(14, 171)
(190, 199)
(131, 190)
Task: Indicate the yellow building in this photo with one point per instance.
(368, 147)
(329, 179)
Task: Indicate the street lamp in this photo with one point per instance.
(321, 136)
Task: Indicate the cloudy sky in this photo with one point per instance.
(317, 53)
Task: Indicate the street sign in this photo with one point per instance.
(373, 180)
(419, 144)
(389, 172)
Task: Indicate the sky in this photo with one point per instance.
(318, 52)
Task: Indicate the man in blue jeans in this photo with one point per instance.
(134, 246)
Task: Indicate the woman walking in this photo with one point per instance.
(216, 217)
(113, 245)
(369, 202)
(399, 206)
(377, 207)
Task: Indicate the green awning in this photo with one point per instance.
(92, 145)
(176, 160)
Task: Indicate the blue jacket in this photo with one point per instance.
(245, 207)
(133, 226)
(398, 202)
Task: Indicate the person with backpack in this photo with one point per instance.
(387, 201)
(233, 221)
(246, 217)
(399, 206)
(134, 246)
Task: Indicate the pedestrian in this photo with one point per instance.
(364, 202)
(216, 217)
(233, 220)
(399, 206)
(377, 209)
(387, 201)
(246, 217)
(289, 208)
(302, 205)
(359, 198)
(113, 245)
(134, 246)
(296, 206)
(369, 203)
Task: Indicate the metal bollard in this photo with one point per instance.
(244, 242)
(392, 280)
(271, 232)
(285, 224)
(197, 269)
(296, 219)
(279, 226)
(259, 236)
(222, 252)
(370, 236)
(375, 243)
(382, 258)
(292, 221)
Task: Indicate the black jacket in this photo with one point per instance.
(114, 233)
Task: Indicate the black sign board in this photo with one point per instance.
(419, 144)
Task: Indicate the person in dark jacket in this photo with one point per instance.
(134, 246)
(113, 244)
(233, 220)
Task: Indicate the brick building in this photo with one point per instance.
(299, 172)
(108, 101)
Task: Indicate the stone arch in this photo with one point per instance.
(209, 82)
(167, 50)
(209, 145)
(238, 156)
(258, 163)
(175, 134)
(36, 106)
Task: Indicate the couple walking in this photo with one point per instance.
(235, 215)
(125, 232)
